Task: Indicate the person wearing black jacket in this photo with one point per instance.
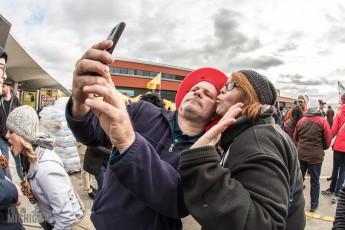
(256, 183)
(96, 161)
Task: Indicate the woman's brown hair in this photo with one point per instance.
(247, 96)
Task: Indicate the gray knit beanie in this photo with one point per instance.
(265, 90)
(23, 120)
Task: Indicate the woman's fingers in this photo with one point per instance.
(212, 136)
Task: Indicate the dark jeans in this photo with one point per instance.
(100, 176)
(338, 173)
(5, 149)
(314, 171)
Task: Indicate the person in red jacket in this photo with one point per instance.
(338, 173)
(313, 136)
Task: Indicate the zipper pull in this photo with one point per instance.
(171, 148)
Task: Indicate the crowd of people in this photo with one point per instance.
(226, 155)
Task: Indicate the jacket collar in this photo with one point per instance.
(242, 123)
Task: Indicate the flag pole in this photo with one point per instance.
(160, 86)
(338, 92)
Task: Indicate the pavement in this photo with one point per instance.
(321, 219)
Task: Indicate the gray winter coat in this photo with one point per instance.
(53, 190)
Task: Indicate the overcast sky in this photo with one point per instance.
(298, 44)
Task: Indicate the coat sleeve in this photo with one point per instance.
(327, 134)
(288, 115)
(339, 221)
(336, 124)
(56, 186)
(257, 195)
(150, 179)
(8, 193)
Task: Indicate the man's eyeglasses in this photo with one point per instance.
(2, 70)
(230, 86)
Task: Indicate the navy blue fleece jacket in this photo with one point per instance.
(143, 189)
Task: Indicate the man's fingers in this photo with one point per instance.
(109, 94)
(100, 107)
(103, 45)
(95, 60)
(89, 80)
(87, 66)
(107, 77)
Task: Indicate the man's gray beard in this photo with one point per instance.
(190, 113)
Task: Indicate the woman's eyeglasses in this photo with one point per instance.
(230, 86)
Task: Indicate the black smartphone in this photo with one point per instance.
(115, 35)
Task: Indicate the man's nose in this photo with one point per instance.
(198, 92)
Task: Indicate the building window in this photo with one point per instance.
(123, 71)
(139, 72)
(180, 78)
(165, 75)
(116, 70)
(131, 71)
(153, 74)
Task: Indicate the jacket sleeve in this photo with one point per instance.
(55, 184)
(88, 130)
(327, 134)
(150, 179)
(16, 101)
(295, 134)
(336, 124)
(339, 221)
(255, 196)
(287, 115)
(8, 194)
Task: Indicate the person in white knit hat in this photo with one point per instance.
(46, 184)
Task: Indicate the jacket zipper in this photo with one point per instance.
(171, 148)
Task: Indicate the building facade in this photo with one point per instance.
(132, 77)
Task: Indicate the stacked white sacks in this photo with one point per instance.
(54, 122)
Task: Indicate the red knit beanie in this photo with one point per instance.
(211, 75)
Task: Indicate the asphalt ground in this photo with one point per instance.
(321, 219)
